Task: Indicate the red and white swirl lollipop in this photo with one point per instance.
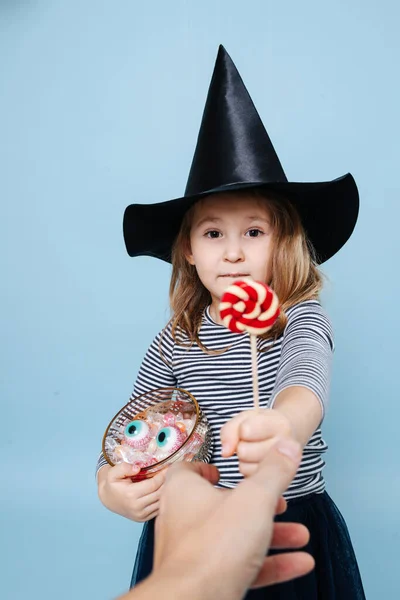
(253, 307)
(249, 306)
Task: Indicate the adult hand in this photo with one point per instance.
(226, 536)
(213, 544)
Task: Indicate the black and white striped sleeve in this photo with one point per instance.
(156, 371)
(307, 350)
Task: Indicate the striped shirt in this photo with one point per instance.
(222, 383)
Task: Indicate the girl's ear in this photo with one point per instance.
(188, 254)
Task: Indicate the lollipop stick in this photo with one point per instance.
(253, 343)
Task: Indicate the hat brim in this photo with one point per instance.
(328, 210)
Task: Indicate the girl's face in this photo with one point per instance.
(230, 238)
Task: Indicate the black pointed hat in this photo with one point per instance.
(234, 152)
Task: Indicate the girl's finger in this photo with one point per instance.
(153, 515)
(267, 423)
(158, 480)
(248, 469)
(122, 471)
(149, 486)
(230, 434)
(250, 452)
(150, 511)
(149, 499)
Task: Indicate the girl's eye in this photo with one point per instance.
(168, 438)
(212, 234)
(254, 232)
(136, 431)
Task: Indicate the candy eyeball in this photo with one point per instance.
(169, 439)
(137, 434)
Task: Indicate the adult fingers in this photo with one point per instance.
(284, 567)
(281, 506)
(289, 535)
(185, 469)
(271, 478)
(279, 466)
(260, 494)
(196, 477)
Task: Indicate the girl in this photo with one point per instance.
(241, 218)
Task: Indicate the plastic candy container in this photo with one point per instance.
(157, 429)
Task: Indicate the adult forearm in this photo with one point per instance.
(171, 588)
(302, 408)
(180, 585)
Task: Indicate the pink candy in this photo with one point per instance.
(169, 419)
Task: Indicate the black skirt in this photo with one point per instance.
(336, 575)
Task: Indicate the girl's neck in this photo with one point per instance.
(214, 312)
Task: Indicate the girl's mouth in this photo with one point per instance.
(235, 275)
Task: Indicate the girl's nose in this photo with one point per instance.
(233, 253)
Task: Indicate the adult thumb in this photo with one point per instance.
(123, 470)
(278, 468)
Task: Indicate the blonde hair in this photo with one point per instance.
(295, 276)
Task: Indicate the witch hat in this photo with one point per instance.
(234, 152)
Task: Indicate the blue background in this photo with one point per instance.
(100, 104)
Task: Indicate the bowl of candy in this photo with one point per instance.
(155, 430)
